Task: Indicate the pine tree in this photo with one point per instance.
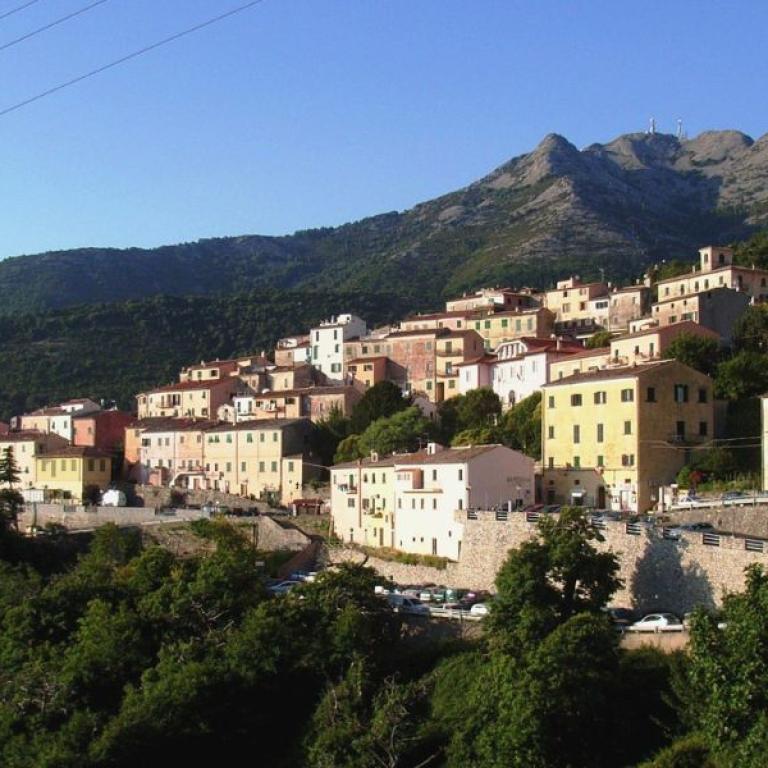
(11, 501)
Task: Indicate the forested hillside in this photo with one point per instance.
(113, 351)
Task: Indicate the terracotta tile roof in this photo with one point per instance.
(23, 436)
(358, 360)
(446, 456)
(75, 451)
(385, 461)
(599, 352)
(190, 385)
(257, 424)
(181, 425)
(477, 360)
(623, 372)
(686, 326)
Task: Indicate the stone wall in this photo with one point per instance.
(76, 516)
(156, 496)
(745, 519)
(658, 573)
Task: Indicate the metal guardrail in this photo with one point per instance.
(471, 514)
(710, 539)
(453, 613)
(531, 517)
(502, 515)
(754, 545)
(633, 529)
(714, 503)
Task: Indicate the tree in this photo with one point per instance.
(545, 582)
(744, 375)
(381, 400)
(405, 431)
(478, 408)
(598, 340)
(750, 333)
(348, 449)
(477, 436)
(327, 434)
(521, 426)
(11, 501)
(699, 352)
(753, 252)
(725, 691)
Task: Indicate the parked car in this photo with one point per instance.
(408, 605)
(411, 590)
(479, 609)
(676, 531)
(622, 617)
(433, 595)
(551, 509)
(733, 496)
(473, 598)
(283, 587)
(689, 499)
(657, 622)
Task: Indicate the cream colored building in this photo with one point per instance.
(26, 446)
(494, 299)
(510, 325)
(570, 300)
(417, 502)
(187, 399)
(580, 362)
(764, 433)
(652, 343)
(611, 438)
(716, 270)
(259, 458)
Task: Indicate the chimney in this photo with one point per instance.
(374, 456)
(433, 448)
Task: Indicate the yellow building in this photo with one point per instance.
(508, 326)
(570, 300)
(69, 472)
(611, 438)
(580, 362)
(363, 501)
(652, 343)
(26, 447)
(258, 458)
(450, 350)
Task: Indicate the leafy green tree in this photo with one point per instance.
(521, 426)
(598, 340)
(750, 333)
(478, 408)
(753, 252)
(404, 431)
(726, 688)
(327, 434)
(698, 352)
(546, 581)
(744, 375)
(477, 436)
(713, 464)
(348, 449)
(381, 400)
(11, 501)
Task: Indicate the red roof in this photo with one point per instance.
(190, 385)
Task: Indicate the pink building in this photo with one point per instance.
(104, 430)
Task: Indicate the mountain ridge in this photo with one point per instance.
(615, 207)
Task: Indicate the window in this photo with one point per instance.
(274, 437)
(703, 428)
(505, 321)
(702, 395)
(601, 461)
(627, 395)
(229, 438)
(650, 395)
(680, 430)
(551, 433)
(627, 427)
(628, 460)
(102, 465)
(242, 466)
(551, 401)
(229, 466)
(90, 465)
(576, 433)
(681, 393)
(261, 466)
(290, 466)
(577, 462)
(273, 466)
(461, 503)
(575, 400)
(551, 462)
(351, 501)
(249, 438)
(434, 474)
(261, 437)
(461, 473)
(600, 398)
(600, 433)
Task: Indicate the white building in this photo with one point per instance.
(518, 369)
(417, 502)
(327, 344)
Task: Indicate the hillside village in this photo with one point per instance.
(618, 419)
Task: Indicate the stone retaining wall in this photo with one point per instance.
(744, 519)
(658, 573)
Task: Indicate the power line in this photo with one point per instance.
(128, 57)
(52, 24)
(17, 9)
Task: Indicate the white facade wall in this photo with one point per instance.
(473, 376)
(327, 344)
(517, 378)
(61, 425)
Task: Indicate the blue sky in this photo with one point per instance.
(304, 113)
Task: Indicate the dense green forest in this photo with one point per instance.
(126, 655)
(113, 351)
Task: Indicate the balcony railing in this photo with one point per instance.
(346, 488)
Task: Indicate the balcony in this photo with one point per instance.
(447, 374)
(346, 488)
(442, 352)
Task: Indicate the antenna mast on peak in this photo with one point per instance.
(652, 126)
(680, 132)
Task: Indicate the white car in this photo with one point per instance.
(284, 587)
(479, 609)
(658, 622)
